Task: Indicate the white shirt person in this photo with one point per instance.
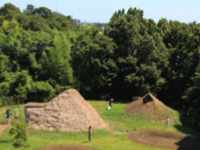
(167, 123)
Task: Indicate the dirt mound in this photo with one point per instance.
(165, 139)
(151, 107)
(66, 148)
(66, 112)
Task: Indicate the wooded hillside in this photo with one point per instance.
(43, 53)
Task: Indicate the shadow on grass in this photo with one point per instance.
(188, 143)
(187, 130)
(187, 127)
(85, 141)
(5, 141)
(192, 140)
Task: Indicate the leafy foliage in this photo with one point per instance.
(92, 55)
(140, 55)
(19, 131)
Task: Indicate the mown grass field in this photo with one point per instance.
(101, 139)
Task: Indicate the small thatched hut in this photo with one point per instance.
(151, 108)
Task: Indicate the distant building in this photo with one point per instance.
(77, 21)
(102, 28)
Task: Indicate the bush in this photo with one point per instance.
(19, 131)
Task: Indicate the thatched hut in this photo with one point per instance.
(66, 112)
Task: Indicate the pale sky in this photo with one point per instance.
(102, 10)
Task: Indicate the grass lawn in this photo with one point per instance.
(101, 139)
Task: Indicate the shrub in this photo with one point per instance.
(19, 131)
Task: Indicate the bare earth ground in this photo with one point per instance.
(2, 128)
(165, 139)
(67, 148)
(111, 129)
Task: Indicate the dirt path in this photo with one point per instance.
(2, 128)
(165, 139)
(111, 129)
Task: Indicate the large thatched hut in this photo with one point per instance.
(66, 112)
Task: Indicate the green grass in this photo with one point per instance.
(101, 139)
(124, 121)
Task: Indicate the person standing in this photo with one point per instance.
(16, 115)
(7, 116)
(167, 123)
(110, 102)
(89, 133)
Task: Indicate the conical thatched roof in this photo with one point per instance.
(150, 107)
(67, 112)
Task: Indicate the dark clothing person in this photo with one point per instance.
(7, 116)
(110, 104)
(89, 133)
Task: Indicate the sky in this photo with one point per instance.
(102, 10)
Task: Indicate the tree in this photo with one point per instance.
(55, 61)
(21, 93)
(9, 8)
(183, 44)
(193, 99)
(140, 55)
(92, 61)
(9, 11)
(43, 12)
(29, 8)
(5, 80)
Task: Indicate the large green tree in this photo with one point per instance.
(182, 41)
(140, 55)
(193, 99)
(92, 61)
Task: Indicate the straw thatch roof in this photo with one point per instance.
(67, 112)
(151, 108)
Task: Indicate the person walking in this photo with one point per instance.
(89, 133)
(167, 123)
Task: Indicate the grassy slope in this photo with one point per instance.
(101, 139)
